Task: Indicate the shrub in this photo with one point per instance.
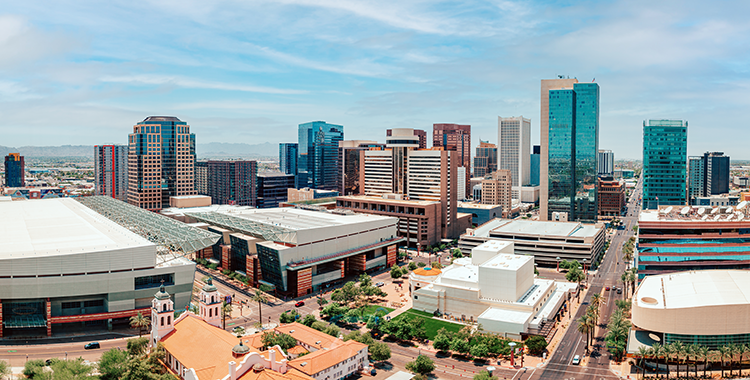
(421, 264)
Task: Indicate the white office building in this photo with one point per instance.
(514, 149)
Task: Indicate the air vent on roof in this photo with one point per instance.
(318, 342)
(291, 331)
(303, 364)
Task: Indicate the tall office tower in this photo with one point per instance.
(288, 155)
(111, 171)
(514, 149)
(15, 170)
(707, 175)
(534, 166)
(457, 138)
(401, 142)
(317, 165)
(544, 154)
(232, 182)
(606, 164)
(201, 177)
(664, 162)
(460, 178)
(496, 189)
(421, 133)
(272, 188)
(485, 160)
(573, 146)
(160, 162)
(349, 165)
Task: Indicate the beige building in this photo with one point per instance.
(547, 85)
(496, 190)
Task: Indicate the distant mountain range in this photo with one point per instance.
(208, 150)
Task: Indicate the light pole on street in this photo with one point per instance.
(558, 264)
(512, 352)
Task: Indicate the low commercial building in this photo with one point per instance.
(611, 196)
(494, 287)
(675, 239)
(92, 262)
(709, 308)
(480, 213)
(301, 251)
(307, 194)
(548, 242)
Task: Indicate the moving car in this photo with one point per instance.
(606, 288)
(300, 303)
(380, 284)
(91, 346)
(576, 360)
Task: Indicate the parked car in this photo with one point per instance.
(576, 360)
(619, 290)
(300, 303)
(380, 284)
(91, 346)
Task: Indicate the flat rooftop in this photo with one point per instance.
(59, 226)
(544, 228)
(384, 200)
(694, 289)
(505, 315)
(477, 205)
(299, 219)
(675, 214)
(507, 261)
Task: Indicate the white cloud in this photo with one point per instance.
(148, 79)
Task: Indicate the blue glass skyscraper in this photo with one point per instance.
(288, 154)
(317, 164)
(664, 163)
(573, 148)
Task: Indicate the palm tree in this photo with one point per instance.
(734, 351)
(259, 297)
(678, 349)
(596, 300)
(226, 310)
(594, 313)
(584, 328)
(745, 350)
(656, 350)
(642, 352)
(704, 353)
(667, 350)
(140, 322)
(692, 350)
(723, 352)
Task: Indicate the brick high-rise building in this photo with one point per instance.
(161, 162)
(496, 190)
(485, 160)
(201, 177)
(15, 170)
(456, 138)
(232, 182)
(111, 171)
(611, 194)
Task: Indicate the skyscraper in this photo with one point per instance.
(514, 148)
(606, 164)
(15, 170)
(160, 162)
(201, 177)
(349, 165)
(534, 166)
(457, 138)
(572, 146)
(485, 159)
(708, 175)
(111, 171)
(232, 182)
(417, 132)
(272, 188)
(318, 155)
(288, 155)
(664, 162)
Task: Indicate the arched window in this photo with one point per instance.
(169, 319)
(212, 299)
(165, 307)
(210, 312)
(162, 321)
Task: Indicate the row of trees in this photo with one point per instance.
(480, 344)
(680, 353)
(587, 323)
(378, 351)
(617, 333)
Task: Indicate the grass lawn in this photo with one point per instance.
(370, 309)
(431, 325)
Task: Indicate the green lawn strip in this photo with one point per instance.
(371, 309)
(431, 325)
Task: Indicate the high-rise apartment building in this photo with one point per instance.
(288, 156)
(457, 138)
(485, 159)
(111, 171)
(349, 164)
(272, 188)
(496, 190)
(318, 159)
(421, 133)
(514, 147)
(15, 170)
(232, 182)
(201, 177)
(161, 162)
(664, 163)
(707, 175)
(572, 139)
(534, 166)
(606, 163)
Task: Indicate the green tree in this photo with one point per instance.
(139, 322)
(319, 325)
(322, 301)
(479, 350)
(332, 330)
(536, 344)
(285, 341)
(113, 364)
(308, 320)
(412, 265)
(379, 351)
(137, 346)
(441, 342)
(422, 365)
(72, 369)
(260, 297)
(705, 354)
(584, 327)
(4, 370)
(642, 353)
(138, 370)
(33, 368)
(485, 375)
(226, 311)
(460, 345)
(575, 274)
(289, 317)
(396, 271)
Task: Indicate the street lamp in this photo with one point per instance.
(491, 369)
(558, 264)
(512, 351)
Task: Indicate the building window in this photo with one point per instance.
(93, 303)
(71, 305)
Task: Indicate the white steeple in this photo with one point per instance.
(210, 304)
(162, 315)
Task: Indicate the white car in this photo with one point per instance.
(576, 360)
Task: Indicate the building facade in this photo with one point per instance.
(485, 160)
(534, 166)
(707, 175)
(233, 182)
(456, 138)
(201, 177)
(514, 148)
(664, 163)
(349, 164)
(318, 155)
(420, 133)
(496, 190)
(160, 162)
(288, 156)
(15, 172)
(573, 146)
(611, 194)
(606, 164)
(272, 188)
(111, 171)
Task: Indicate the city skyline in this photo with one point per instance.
(81, 74)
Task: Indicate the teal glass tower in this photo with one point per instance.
(664, 163)
(318, 148)
(573, 151)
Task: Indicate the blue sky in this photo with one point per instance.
(83, 72)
